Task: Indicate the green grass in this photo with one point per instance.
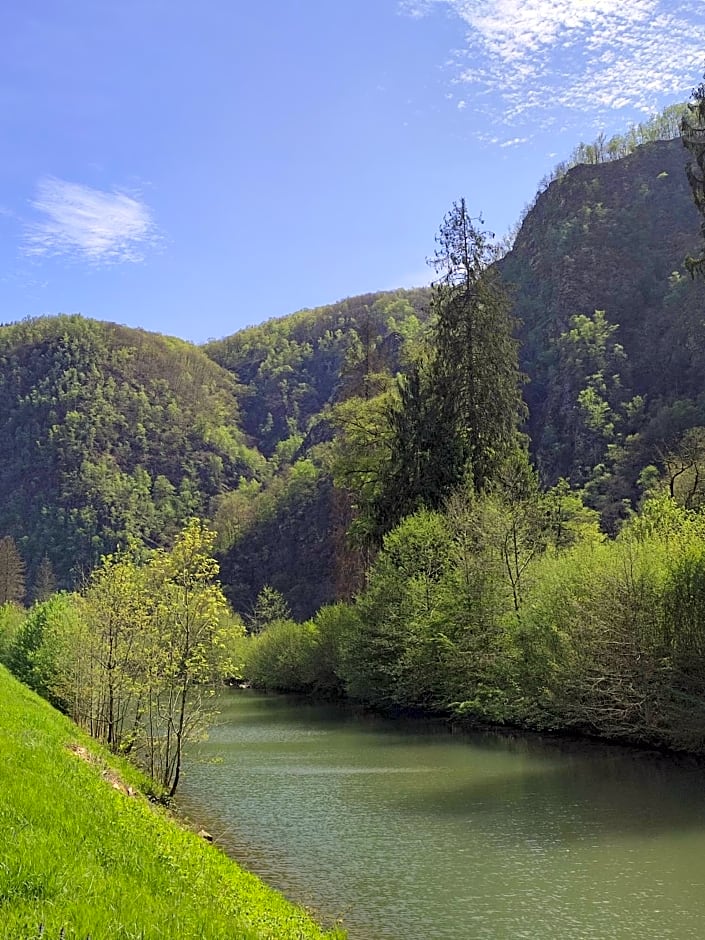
(79, 856)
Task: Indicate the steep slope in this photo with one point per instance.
(109, 433)
(290, 368)
(291, 535)
(611, 237)
(84, 856)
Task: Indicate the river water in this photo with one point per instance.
(408, 832)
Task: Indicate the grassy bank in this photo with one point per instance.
(80, 854)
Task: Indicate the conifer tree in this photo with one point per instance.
(474, 370)
(45, 581)
(457, 415)
(12, 570)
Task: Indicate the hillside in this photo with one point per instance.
(82, 855)
(291, 368)
(109, 433)
(607, 395)
(112, 433)
(611, 237)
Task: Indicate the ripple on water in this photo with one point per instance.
(414, 836)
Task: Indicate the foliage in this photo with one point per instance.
(44, 581)
(457, 415)
(665, 125)
(12, 617)
(269, 608)
(188, 649)
(110, 433)
(606, 400)
(283, 539)
(281, 656)
(134, 659)
(510, 606)
(291, 368)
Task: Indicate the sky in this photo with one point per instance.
(196, 167)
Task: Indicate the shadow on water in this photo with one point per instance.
(606, 797)
(567, 787)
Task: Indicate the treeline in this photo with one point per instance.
(134, 656)
(487, 596)
(110, 434)
(290, 369)
(663, 126)
(518, 613)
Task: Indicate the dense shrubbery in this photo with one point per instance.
(608, 637)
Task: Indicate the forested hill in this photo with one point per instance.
(112, 433)
(109, 433)
(610, 237)
(291, 368)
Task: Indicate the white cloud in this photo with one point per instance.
(89, 224)
(514, 142)
(586, 55)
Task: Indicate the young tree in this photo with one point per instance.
(45, 581)
(189, 632)
(270, 607)
(109, 661)
(12, 569)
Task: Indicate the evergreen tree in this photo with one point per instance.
(12, 569)
(474, 370)
(456, 417)
(271, 607)
(45, 581)
(693, 136)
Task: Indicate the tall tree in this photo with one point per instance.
(475, 363)
(693, 136)
(12, 569)
(457, 415)
(45, 581)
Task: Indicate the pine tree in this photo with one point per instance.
(12, 569)
(45, 581)
(693, 136)
(456, 417)
(474, 370)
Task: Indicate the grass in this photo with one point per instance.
(79, 858)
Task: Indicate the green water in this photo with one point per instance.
(410, 833)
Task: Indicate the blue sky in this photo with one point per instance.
(193, 168)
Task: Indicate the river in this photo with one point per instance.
(408, 832)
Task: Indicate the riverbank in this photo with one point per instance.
(84, 853)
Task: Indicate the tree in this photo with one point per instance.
(457, 415)
(693, 136)
(426, 459)
(189, 628)
(474, 367)
(107, 664)
(270, 607)
(12, 569)
(685, 469)
(45, 581)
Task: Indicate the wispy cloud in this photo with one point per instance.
(88, 224)
(588, 55)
